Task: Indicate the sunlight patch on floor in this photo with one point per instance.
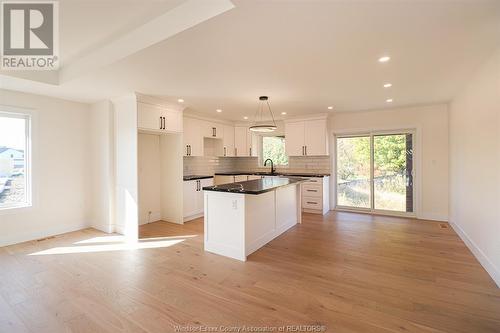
(125, 246)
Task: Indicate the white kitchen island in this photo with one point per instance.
(242, 217)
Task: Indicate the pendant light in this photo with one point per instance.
(259, 124)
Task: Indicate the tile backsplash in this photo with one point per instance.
(209, 165)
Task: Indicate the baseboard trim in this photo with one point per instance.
(490, 268)
(432, 217)
(45, 233)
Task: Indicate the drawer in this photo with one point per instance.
(312, 203)
(314, 180)
(312, 190)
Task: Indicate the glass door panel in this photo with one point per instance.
(353, 172)
(392, 172)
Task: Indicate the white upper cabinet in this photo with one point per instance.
(306, 137)
(241, 147)
(294, 138)
(158, 119)
(193, 137)
(212, 130)
(228, 140)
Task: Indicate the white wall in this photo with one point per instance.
(102, 170)
(474, 165)
(149, 178)
(61, 170)
(126, 180)
(431, 123)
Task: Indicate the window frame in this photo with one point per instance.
(261, 149)
(11, 112)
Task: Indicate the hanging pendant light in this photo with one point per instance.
(259, 124)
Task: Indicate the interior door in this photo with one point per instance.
(294, 138)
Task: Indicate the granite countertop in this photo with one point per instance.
(291, 174)
(196, 177)
(256, 186)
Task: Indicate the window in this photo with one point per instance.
(15, 184)
(375, 172)
(273, 147)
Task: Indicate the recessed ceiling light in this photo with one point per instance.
(387, 85)
(384, 59)
(330, 108)
(219, 110)
(180, 100)
(283, 113)
(389, 100)
(245, 117)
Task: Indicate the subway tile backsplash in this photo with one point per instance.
(210, 165)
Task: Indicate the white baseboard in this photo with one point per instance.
(432, 217)
(192, 217)
(493, 271)
(104, 228)
(54, 231)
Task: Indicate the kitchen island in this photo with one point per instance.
(242, 217)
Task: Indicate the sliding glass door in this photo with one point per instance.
(375, 172)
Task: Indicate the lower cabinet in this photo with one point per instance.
(315, 195)
(193, 197)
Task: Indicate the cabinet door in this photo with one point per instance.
(190, 198)
(253, 177)
(240, 141)
(200, 202)
(193, 138)
(228, 141)
(148, 117)
(294, 138)
(315, 137)
(173, 120)
(251, 143)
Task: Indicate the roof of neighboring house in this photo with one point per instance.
(2, 149)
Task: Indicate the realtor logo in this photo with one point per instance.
(29, 35)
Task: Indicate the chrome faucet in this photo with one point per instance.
(272, 165)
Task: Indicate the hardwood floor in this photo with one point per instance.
(349, 272)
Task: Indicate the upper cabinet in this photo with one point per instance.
(212, 130)
(158, 119)
(228, 141)
(307, 137)
(244, 142)
(193, 137)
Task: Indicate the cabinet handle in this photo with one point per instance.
(305, 149)
(250, 151)
(164, 123)
(161, 123)
(235, 151)
(214, 131)
(225, 151)
(302, 150)
(312, 190)
(312, 202)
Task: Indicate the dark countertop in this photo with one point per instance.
(256, 186)
(196, 177)
(291, 174)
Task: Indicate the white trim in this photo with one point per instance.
(318, 116)
(432, 217)
(417, 166)
(490, 268)
(54, 231)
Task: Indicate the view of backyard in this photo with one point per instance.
(392, 160)
(273, 147)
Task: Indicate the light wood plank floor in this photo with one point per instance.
(352, 273)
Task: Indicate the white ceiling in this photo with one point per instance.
(306, 55)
